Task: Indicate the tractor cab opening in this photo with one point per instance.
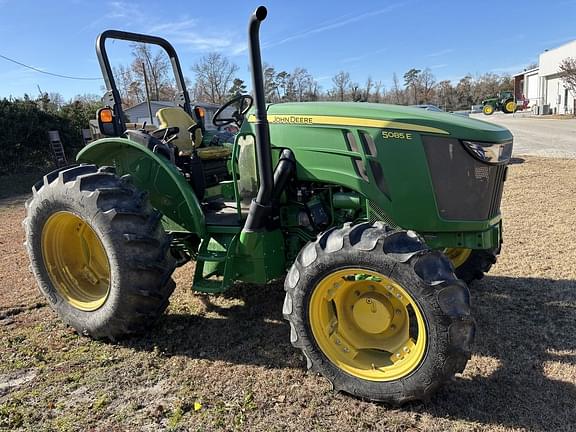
(197, 139)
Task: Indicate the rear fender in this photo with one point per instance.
(167, 188)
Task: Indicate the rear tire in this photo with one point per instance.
(119, 281)
(509, 106)
(423, 278)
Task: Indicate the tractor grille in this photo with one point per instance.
(465, 188)
(497, 195)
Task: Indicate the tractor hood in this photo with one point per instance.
(383, 116)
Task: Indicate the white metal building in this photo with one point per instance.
(140, 113)
(543, 85)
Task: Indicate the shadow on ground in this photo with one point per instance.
(529, 326)
(516, 161)
(524, 326)
(252, 333)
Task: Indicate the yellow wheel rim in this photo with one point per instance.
(367, 325)
(511, 106)
(76, 261)
(488, 109)
(458, 256)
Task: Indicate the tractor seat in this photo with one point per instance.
(177, 117)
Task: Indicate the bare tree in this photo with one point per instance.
(396, 91)
(341, 84)
(378, 90)
(301, 84)
(355, 92)
(214, 77)
(568, 71)
(367, 89)
(426, 83)
(56, 100)
(130, 91)
(445, 94)
(464, 98)
(157, 68)
(315, 91)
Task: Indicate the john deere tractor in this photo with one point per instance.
(504, 101)
(375, 215)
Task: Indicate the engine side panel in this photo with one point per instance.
(387, 165)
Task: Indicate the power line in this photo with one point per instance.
(49, 73)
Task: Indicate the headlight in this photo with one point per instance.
(492, 153)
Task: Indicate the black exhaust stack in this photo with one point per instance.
(261, 207)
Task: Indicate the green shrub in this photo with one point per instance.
(24, 130)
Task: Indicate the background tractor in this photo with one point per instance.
(373, 214)
(504, 101)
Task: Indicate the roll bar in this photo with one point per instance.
(112, 96)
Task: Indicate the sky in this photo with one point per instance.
(364, 38)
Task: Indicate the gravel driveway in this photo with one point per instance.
(536, 136)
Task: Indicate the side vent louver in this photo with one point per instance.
(357, 162)
(368, 144)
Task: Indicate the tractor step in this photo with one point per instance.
(212, 256)
(213, 272)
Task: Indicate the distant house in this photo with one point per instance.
(543, 85)
(139, 113)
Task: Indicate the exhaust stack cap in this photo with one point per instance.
(261, 13)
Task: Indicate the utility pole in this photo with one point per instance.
(147, 92)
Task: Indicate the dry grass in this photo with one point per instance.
(226, 362)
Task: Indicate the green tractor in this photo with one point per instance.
(375, 215)
(504, 101)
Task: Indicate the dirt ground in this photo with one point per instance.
(226, 363)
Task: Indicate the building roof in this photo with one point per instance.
(173, 104)
(527, 71)
(563, 46)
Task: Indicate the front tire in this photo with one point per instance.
(98, 251)
(488, 109)
(378, 314)
(470, 265)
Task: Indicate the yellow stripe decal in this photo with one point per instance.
(298, 119)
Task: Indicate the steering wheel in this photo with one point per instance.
(243, 103)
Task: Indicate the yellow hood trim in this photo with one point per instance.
(313, 120)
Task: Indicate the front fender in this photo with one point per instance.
(168, 190)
